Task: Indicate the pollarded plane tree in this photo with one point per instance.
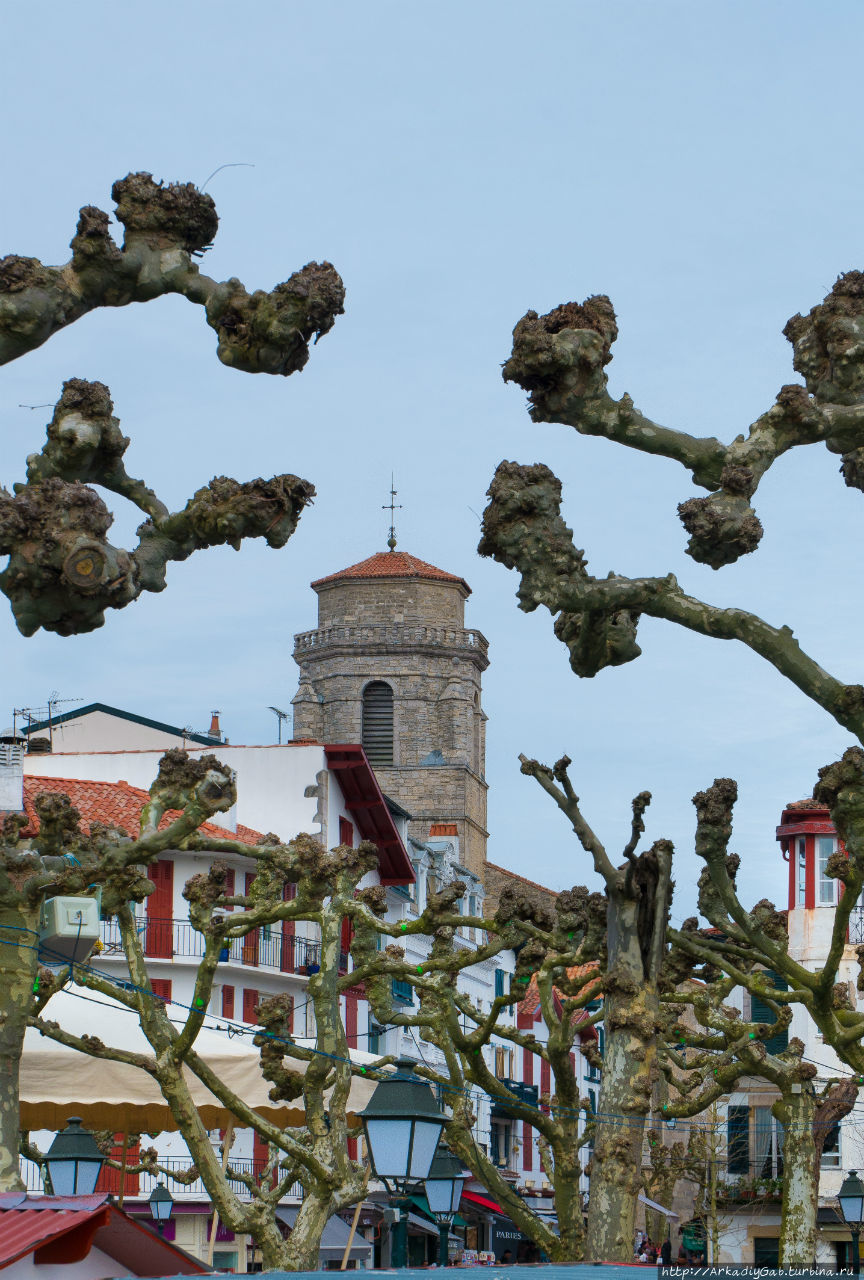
(560, 957)
(559, 359)
(317, 1074)
(710, 1052)
(63, 573)
(744, 944)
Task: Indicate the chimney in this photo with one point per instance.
(215, 731)
(11, 771)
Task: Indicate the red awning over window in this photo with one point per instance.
(483, 1201)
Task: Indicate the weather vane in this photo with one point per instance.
(392, 506)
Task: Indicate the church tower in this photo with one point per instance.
(392, 665)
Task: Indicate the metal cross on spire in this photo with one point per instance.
(392, 506)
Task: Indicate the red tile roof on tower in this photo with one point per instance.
(115, 804)
(392, 564)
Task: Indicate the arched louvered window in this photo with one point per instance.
(378, 723)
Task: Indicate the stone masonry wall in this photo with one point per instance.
(411, 634)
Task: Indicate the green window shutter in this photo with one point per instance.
(738, 1140)
(403, 992)
(760, 1012)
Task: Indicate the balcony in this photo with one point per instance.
(263, 949)
(856, 926)
(527, 1094)
(390, 635)
(139, 1186)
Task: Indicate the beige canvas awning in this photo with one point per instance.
(58, 1082)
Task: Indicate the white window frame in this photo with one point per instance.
(801, 871)
(827, 895)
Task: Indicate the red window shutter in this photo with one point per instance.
(527, 1147)
(352, 1148)
(112, 1180)
(227, 1002)
(162, 988)
(347, 933)
(527, 1066)
(158, 939)
(229, 883)
(286, 959)
(545, 1077)
(250, 999)
(351, 1021)
(250, 942)
(260, 1153)
(346, 832)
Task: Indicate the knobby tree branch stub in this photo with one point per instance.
(261, 332)
(597, 618)
(63, 573)
(560, 359)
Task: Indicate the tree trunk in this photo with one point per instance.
(300, 1251)
(18, 970)
(797, 1111)
(625, 1096)
(631, 1019)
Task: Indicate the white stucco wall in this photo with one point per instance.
(96, 1266)
(101, 731)
(271, 781)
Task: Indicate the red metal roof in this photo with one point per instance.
(24, 1230)
(58, 1230)
(392, 564)
(368, 808)
(803, 817)
(114, 804)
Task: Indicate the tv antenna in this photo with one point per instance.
(282, 717)
(35, 715)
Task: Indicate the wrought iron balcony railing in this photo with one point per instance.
(265, 948)
(138, 1186)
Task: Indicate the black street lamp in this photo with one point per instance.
(74, 1161)
(402, 1124)
(444, 1183)
(161, 1206)
(850, 1197)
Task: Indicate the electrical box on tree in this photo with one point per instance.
(68, 930)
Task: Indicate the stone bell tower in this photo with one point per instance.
(392, 665)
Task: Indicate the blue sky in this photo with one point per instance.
(460, 163)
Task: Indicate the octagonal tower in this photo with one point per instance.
(392, 665)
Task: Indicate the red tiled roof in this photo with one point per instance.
(513, 875)
(531, 1002)
(392, 564)
(114, 804)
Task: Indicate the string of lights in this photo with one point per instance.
(233, 1028)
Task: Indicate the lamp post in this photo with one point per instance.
(161, 1206)
(850, 1197)
(402, 1124)
(444, 1183)
(74, 1161)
